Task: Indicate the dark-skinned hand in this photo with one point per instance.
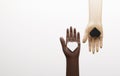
(71, 36)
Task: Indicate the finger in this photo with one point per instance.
(74, 34)
(67, 36)
(101, 41)
(93, 45)
(97, 44)
(64, 47)
(86, 34)
(71, 33)
(62, 42)
(89, 41)
(84, 38)
(78, 38)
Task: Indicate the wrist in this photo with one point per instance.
(72, 67)
(94, 24)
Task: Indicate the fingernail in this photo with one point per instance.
(83, 41)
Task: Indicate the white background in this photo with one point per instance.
(30, 31)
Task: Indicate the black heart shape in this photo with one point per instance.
(95, 32)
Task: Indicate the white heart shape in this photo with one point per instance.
(72, 45)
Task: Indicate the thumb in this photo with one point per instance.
(84, 38)
(62, 42)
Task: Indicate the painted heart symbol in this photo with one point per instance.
(72, 45)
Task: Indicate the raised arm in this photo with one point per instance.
(72, 58)
(94, 29)
(95, 11)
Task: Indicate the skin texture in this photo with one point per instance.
(95, 11)
(72, 58)
(95, 40)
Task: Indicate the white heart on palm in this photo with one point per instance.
(72, 45)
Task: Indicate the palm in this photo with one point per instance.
(94, 35)
(71, 36)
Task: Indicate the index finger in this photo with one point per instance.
(78, 38)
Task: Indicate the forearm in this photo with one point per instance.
(72, 68)
(95, 11)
